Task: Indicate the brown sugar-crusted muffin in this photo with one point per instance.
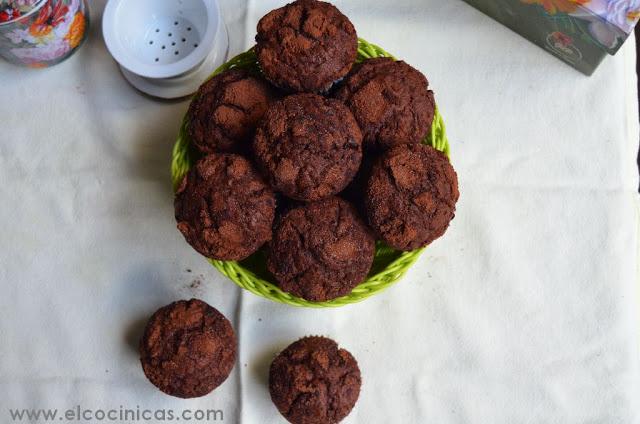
(321, 251)
(223, 207)
(391, 102)
(226, 110)
(188, 349)
(310, 147)
(314, 382)
(306, 46)
(411, 196)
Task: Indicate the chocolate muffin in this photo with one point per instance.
(226, 110)
(188, 349)
(223, 207)
(306, 46)
(411, 196)
(391, 102)
(310, 147)
(314, 382)
(321, 251)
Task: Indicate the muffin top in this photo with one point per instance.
(188, 349)
(314, 382)
(226, 110)
(411, 196)
(321, 251)
(223, 207)
(391, 102)
(306, 46)
(310, 147)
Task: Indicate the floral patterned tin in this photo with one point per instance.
(41, 33)
(580, 32)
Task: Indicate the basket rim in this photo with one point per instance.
(247, 279)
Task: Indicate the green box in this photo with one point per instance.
(580, 32)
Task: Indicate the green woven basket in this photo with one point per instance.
(389, 265)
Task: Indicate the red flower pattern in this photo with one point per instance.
(9, 14)
(48, 18)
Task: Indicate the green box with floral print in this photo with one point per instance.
(580, 32)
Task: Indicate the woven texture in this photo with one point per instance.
(251, 274)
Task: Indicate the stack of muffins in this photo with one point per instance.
(314, 158)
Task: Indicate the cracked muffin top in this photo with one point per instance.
(391, 102)
(308, 146)
(321, 251)
(313, 381)
(411, 196)
(226, 110)
(188, 348)
(306, 46)
(223, 207)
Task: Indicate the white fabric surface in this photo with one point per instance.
(526, 311)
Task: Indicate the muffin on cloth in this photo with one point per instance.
(314, 382)
(226, 110)
(223, 207)
(321, 251)
(306, 46)
(308, 146)
(188, 349)
(391, 102)
(411, 196)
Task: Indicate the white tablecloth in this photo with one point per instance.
(526, 311)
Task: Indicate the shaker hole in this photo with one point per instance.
(176, 52)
